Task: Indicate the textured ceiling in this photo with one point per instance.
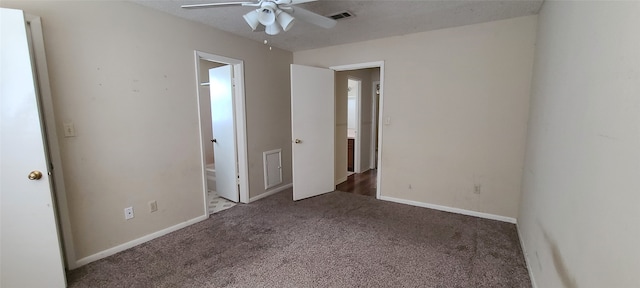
(373, 18)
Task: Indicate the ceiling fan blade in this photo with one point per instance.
(294, 2)
(313, 18)
(209, 5)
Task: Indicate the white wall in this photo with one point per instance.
(352, 100)
(458, 100)
(580, 216)
(125, 75)
(351, 107)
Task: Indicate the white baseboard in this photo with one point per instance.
(450, 209)
(526, 258)
(136, 242)
(270, 192)
(339, 181)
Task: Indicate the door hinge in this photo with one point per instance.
(238, 180)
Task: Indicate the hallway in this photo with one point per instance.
(362, 184)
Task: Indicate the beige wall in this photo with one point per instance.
(458, 101)
(125, 76)
(375, 74)
(579, 217)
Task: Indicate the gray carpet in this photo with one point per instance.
(333, 240)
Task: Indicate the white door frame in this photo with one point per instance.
(357, 167)
(240, 123)
(374, 124)
(34, 29)
(377, 64)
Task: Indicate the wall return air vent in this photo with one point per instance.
(341, 15)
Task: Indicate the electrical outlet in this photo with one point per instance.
(153, 206)
(477, 189)
(128, 213)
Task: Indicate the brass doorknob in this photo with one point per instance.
(35, 175)
(298, 141)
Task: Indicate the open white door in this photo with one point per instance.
(30, 247)
(224, 135)
(313, 130)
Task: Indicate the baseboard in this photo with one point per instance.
(270, 192)
(339, 181)
(526, 258)
(450, 209)
(136, 242)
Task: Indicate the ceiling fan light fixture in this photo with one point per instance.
(273, 29)
(285, 20)
(267, 13)
(252, 19)
(275, 16)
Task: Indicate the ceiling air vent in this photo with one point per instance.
(341, 15)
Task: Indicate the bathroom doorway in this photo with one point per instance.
(221, 111)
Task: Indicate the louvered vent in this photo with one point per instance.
(341, 15)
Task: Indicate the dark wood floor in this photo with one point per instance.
(363, 183)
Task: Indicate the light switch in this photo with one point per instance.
(69, 130)
(387, 120)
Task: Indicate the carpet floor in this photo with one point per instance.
(333, 240)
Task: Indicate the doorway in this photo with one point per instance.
(354, 98)
(222, 120)
(314, 91)
(359, 104)
(365, 181)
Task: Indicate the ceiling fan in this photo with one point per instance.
(275, 15)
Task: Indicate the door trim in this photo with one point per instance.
(374, 126)
(51, 139)
(240, 122)
(376, 64)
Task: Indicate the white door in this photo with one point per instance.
(224, 135)
(30, 246)
(313, 130)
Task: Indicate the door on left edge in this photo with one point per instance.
(30, 254)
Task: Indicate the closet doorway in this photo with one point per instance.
(222, 119)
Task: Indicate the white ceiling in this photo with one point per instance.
(373, 18)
